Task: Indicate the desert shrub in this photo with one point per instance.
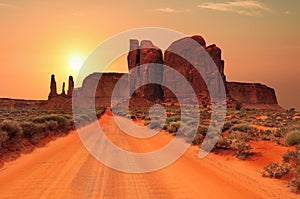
(146, 117)
(227, 125)
(154, 124)
(202, 130)
(34, 131)
(64, 124)
(242, 149)
(266, 134)
(13, 130)
(3, 137)
(292, 138)
(294, 184)
(276, 170)
(198, 139)
(173, 118)
(237, 141)
(293, 158)
(237, 121)
(223, 143)
(238, 135)
(147, 122)
(52, 126)
(291, 165)
(173, 126)
(100, 112)
(244, 128)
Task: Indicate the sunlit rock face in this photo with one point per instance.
(148, 60)
(187, 54)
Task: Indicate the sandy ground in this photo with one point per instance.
(64, 169)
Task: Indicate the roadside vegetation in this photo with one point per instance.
(23, 130)
(241, 128)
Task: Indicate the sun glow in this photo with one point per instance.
(75, 63)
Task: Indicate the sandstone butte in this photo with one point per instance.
(146, 54)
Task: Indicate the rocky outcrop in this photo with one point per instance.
(185, 55)
(148, 59)
(253, 95)
(53, 88)
(98, 88)
(11, 104)
(63, 92)
(70, 86)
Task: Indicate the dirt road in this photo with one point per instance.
(64, 169)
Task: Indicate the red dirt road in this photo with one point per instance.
(64, 169)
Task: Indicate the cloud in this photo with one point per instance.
(249, 8)
(287, 12)
(171, 10)
(6, 5)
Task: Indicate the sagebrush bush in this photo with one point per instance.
(276, 170)
(173, 118)
(13, 129)
(292, 157)
(3, 137)
(64, 124)
(202, 130)
(173, 126)
(52, 126)
(292, 138)
(227, 125)
(294, 184)
(198, 139)
(223, 143)
(244, 128)
(34, 131)
(241, 136)
(154, 124)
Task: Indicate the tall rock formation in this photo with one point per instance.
(53, 89)
(70, 86)
(148, 59)
(253, 95)
(63, 92)
(200, 57)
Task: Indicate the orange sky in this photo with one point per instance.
(259, 39)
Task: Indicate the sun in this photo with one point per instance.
(75, 63)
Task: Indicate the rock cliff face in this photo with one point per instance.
(105, 85)
(253, 95)
(148, 59)
(185, 55)
(10, 104)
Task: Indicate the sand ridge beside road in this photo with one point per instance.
(64, 169)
